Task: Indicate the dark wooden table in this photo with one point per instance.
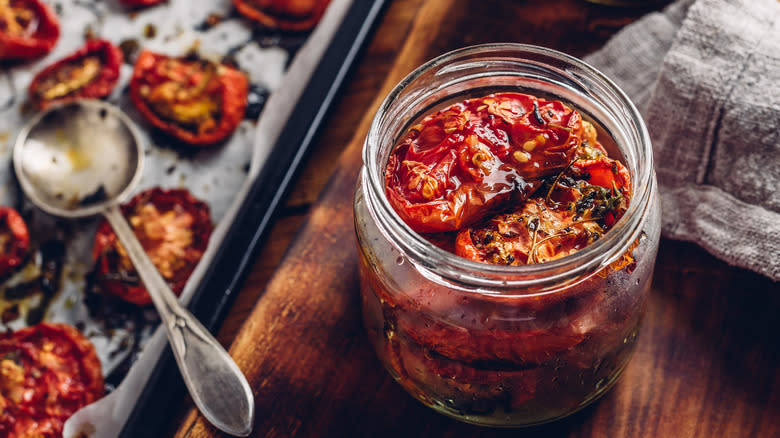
(707, 359)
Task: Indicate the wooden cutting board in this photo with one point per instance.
(707, 359)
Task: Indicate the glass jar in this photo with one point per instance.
(505, 345)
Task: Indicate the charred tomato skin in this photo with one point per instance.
(57, 370)
(116, 280)
(15, 250)
(39, 43)
(293, 15)
(110, 57)
(230, 90)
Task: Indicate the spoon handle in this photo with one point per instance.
(214, 381)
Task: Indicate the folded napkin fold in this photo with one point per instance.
(706, 76)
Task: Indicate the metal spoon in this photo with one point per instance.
(82, 159)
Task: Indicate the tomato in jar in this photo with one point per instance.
(172, 226)
(47, 372)
(471, 159)
(195, 101)
(28, 29)
(91, 72)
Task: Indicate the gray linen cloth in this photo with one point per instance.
(706, 76)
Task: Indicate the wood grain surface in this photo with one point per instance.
(707, 362)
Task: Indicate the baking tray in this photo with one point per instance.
(223, 279)
(295, 79)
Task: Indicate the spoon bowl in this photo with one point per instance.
(78, 159)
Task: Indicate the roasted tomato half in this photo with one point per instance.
(534, 233)
(91, 72)
(28, 29)
(567, 214)
(419, 366)
(47, 372)
(295, 15)
(14, 240)
(464, 162)
(196, 101)
(174, 229)
(493, 347)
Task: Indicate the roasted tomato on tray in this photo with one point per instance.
(296, 15)
(47, 372)
(578, 207)
(90, 72)
(466, 161)
(195, 101)
(174, 229)
(28, 29)
(14, 240)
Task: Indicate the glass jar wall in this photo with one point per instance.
(505, 345)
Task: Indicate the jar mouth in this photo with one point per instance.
(528, 69)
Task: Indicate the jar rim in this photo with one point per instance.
(488, 278)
